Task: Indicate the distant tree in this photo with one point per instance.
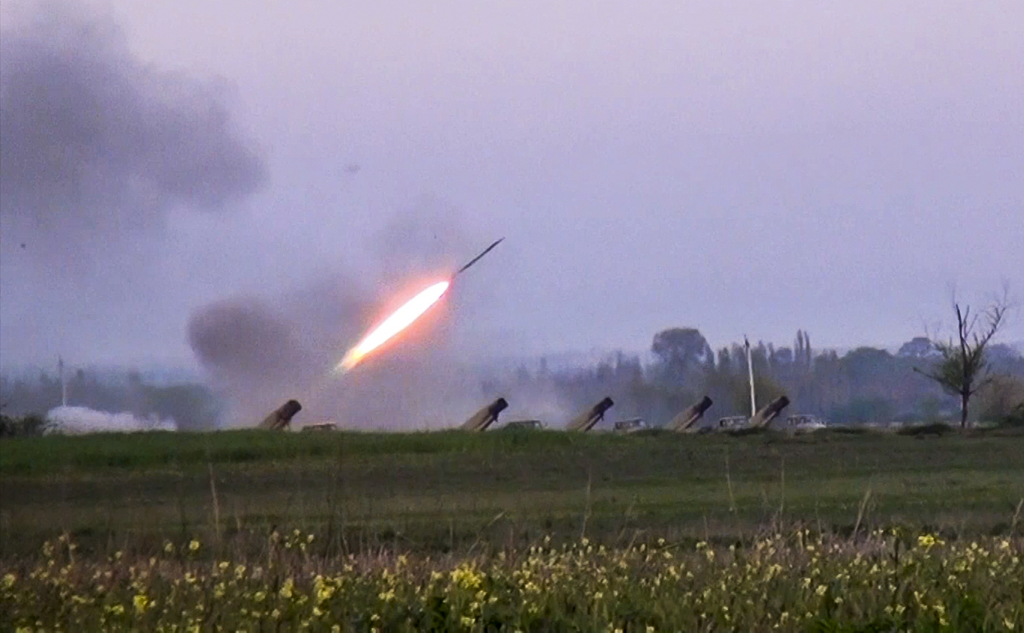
(766, 388)
(1016, 417)
(14, 426)
(861, 410)
(802, 350)
(1005, 360)
(782, 357)
(1000, 398)
(962, 367)
(871, 374)
(628, 368)
(192, 406)
(831, 388)
(917, 347)
(930, 408)
(682, 352)
(724, 360)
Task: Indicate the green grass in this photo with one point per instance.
(453, 491)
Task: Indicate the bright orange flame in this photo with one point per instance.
(400, 319)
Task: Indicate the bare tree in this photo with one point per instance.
(962, 368)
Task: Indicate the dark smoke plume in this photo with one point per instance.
(96, 146)
(260, 341)
(262, 351)
(256, 351)
(97, 151)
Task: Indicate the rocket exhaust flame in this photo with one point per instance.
(403, 317)
(400, 319)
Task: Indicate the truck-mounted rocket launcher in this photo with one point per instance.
(485, 417)
(688, 417)
(586, 420)
(281, 418)
(763, 418)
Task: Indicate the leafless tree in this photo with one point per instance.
(962, 369)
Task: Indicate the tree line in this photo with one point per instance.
(193, 406)
(965, 378)
(863, 385)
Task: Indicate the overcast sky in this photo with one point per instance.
(743, 168)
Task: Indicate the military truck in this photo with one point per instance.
(630, 426)
(804, 423)
(523, 425)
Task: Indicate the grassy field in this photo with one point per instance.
(453, 491)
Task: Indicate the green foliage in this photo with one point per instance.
(1000, 399)
(683, 355)
(863, 410)
(963, 365)
(1015, 419)
(921, 430)
(22, 426)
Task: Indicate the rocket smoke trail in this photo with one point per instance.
(475, 259)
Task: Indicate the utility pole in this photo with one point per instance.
(750, 372)
(63, 382)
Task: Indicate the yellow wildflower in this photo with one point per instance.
(140, 602)
(286, 588)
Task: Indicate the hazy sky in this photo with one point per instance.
(736, 167)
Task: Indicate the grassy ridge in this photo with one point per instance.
(450, 490)
(98, 452)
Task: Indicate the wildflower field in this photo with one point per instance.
(782, 582)
(245, 531)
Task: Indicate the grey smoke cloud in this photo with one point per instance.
(262, 351)
(96, 147)
(100, 152)
(244, 336)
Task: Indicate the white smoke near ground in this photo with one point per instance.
(77, 420)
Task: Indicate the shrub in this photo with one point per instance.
(19, 426)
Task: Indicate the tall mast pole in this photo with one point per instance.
(750, 373)
(63, 382)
